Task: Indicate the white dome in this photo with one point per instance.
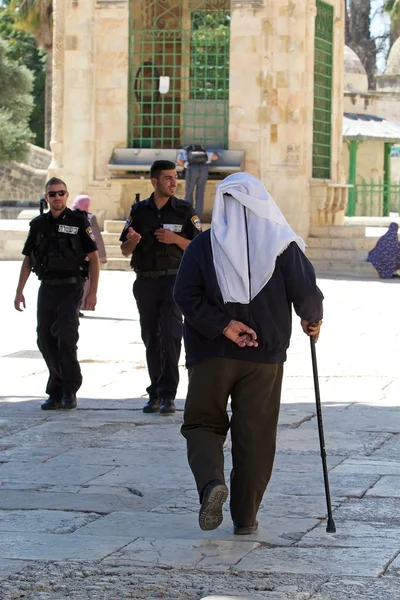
(355, 76)
(393, 62)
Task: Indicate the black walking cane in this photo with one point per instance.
(331, 527)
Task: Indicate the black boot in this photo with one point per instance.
(69, 401)
(152, 406)
(51, 404)
(167, 407)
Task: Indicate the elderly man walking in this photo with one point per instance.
(236, 286)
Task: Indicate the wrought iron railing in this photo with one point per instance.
(374, 199)
(179, 73)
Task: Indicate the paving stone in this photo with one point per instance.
(199, 553)
(357, 417)
(300, 463)
(9, 567)
(394, 567)
(387, 486)
(390, 448)
(113, 457)
(43, 546)
(334, 561)
(353, 533)
(272, 530)
(28, 453)
(367, 465)
(312, 483)
(146, 477)
(369, 509)
(351, 588)
(43, 521)
(305, 440)
(46, 473)
(10, 426)
(89, 502)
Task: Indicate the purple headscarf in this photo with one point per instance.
(81, 203)
(386, 255)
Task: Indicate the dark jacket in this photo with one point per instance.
(270, 313)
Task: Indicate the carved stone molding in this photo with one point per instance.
(57, 103)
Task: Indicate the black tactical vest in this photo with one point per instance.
(57, 252)
(150, 254)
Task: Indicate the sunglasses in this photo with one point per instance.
(54, 194)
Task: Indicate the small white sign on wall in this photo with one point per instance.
(164, 85)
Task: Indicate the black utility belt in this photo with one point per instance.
(63, 281)
(154, 274)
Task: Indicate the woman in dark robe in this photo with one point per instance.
(386, 255)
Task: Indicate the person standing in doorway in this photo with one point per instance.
(156, 234)
(196, 161)
(236, 287)
(61, 250)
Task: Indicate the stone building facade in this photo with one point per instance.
(277, 106)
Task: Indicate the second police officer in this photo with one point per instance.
(156, 234)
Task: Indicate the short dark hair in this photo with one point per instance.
(161, 165)
(54, 181)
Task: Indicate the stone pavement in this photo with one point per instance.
(100, 504)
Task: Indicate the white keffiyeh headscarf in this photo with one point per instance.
(237, 248)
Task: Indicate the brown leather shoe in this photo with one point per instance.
(214, 496)
(245, 529)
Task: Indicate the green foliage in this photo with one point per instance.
(22, 48)
(392, 7)
(210, 56)
(16, 105)
(35, 17)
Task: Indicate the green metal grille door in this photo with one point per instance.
(323, 68)
(179, 73)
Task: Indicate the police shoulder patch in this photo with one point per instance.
(196, 222)
(127, 223)
(90, 233)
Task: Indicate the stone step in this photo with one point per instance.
(345, 268)
(117, 264)
(113, 226)
(364, 243)
(110, 238)
(347, 231)
(114, 251)
(335, 254)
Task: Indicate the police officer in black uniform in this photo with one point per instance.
(156, 234)
(61, 250)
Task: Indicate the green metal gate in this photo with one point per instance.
(179, 73)
(323, 69)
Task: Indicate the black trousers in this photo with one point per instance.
(255, 390)
(57, 336)
(161, 328)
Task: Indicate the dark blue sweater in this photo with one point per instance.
(270, 313)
